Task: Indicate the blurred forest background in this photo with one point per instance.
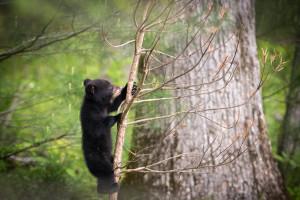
(47, 49)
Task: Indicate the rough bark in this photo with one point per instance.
(254, 175)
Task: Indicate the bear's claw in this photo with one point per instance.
(134, 89)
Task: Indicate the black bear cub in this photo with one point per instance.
(101, 98)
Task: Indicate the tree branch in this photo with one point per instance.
(32, 146)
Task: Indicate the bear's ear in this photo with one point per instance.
(86, 81)
(90, 90)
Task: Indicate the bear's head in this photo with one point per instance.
(101, 91)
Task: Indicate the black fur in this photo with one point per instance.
(101, 98)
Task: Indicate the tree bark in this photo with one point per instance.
(254, 175)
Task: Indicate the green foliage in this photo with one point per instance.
(47, 182)
(278, 27)
(46, 87)
(52, 96)
(274, 91)
(274, 102)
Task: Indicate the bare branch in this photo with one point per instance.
(28, 46)
(115, 46)
(195, 59)
(32, 146)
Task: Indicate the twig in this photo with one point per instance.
(32, 146)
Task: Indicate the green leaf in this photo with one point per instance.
(71, 172)
(278, 157)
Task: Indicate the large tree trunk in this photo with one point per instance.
(253, 175)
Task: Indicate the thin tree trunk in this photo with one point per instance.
(122, 124)
(254, 175)
(288, 137)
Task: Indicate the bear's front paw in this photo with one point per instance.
(134, 88)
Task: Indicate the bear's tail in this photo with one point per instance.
(107, 185)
